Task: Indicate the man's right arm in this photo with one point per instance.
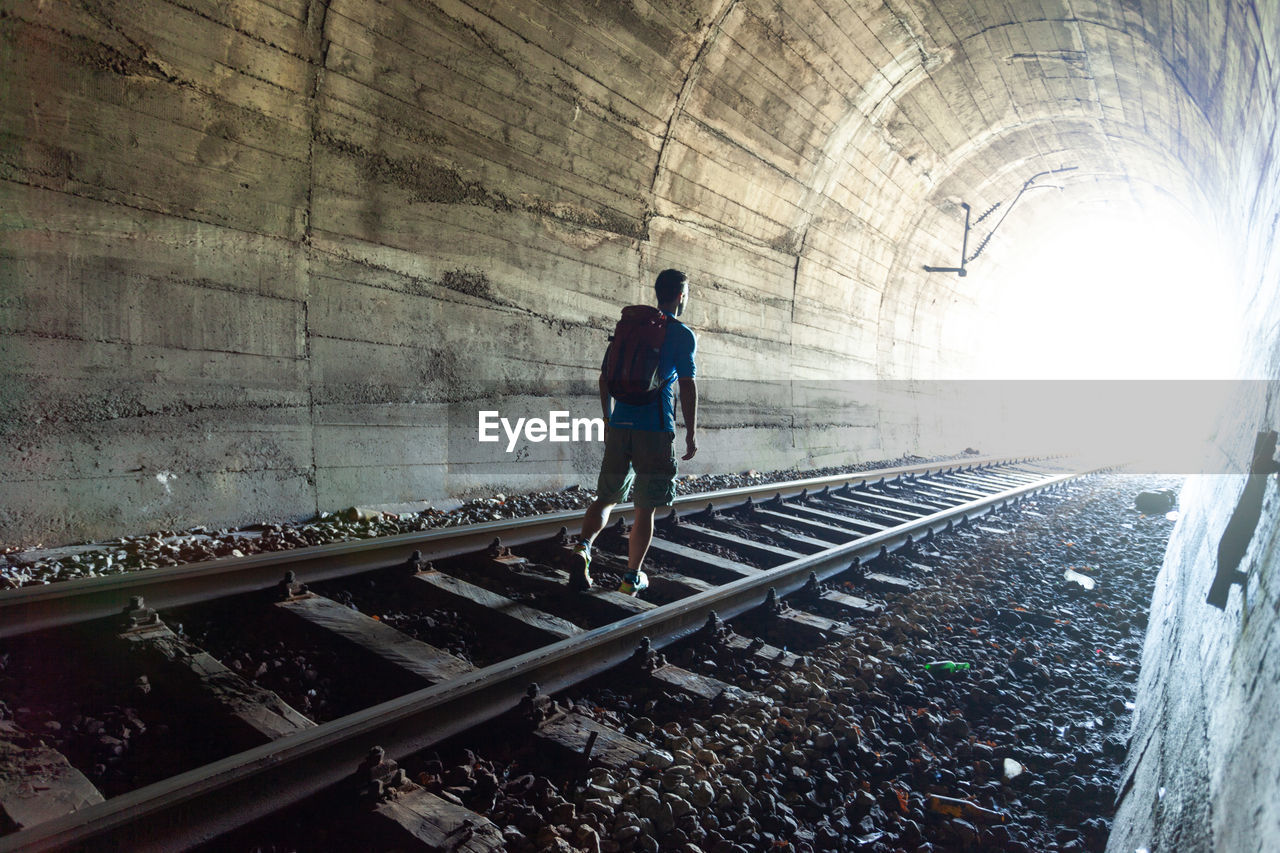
(689, 409)
(685, 369)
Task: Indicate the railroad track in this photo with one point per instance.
(718, 556)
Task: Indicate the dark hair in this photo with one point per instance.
(669, 286)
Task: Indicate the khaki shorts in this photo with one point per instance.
(647, 458)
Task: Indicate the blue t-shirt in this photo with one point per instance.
(675, 360)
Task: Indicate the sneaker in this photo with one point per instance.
(634, 583)
(580, 567)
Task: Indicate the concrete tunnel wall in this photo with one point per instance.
(258, 254)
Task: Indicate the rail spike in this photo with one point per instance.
(379, 775)
(534, 708)
(645, 657)
(138, 616)
(591, 744)
(772, 603)
(713, 630)
(416, 564)
(288, 587)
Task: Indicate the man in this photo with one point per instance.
(639, 445)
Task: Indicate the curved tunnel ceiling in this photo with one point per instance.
(861, 125)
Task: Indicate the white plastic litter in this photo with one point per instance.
(1084, 580)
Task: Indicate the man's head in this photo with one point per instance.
(672, 290)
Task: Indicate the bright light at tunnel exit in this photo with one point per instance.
(1101, 295)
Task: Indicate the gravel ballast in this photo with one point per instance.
(864, 749)
(860, 747)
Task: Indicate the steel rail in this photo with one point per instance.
(203, 803)
(35, 608)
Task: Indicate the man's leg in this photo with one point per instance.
(641, 536)
(635, 581)
(612, 486)
(655, 464)
(594, 521)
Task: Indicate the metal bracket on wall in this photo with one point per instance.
(1244, 520)
(965, 257)
(964, 247)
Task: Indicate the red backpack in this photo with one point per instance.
(631, 362)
